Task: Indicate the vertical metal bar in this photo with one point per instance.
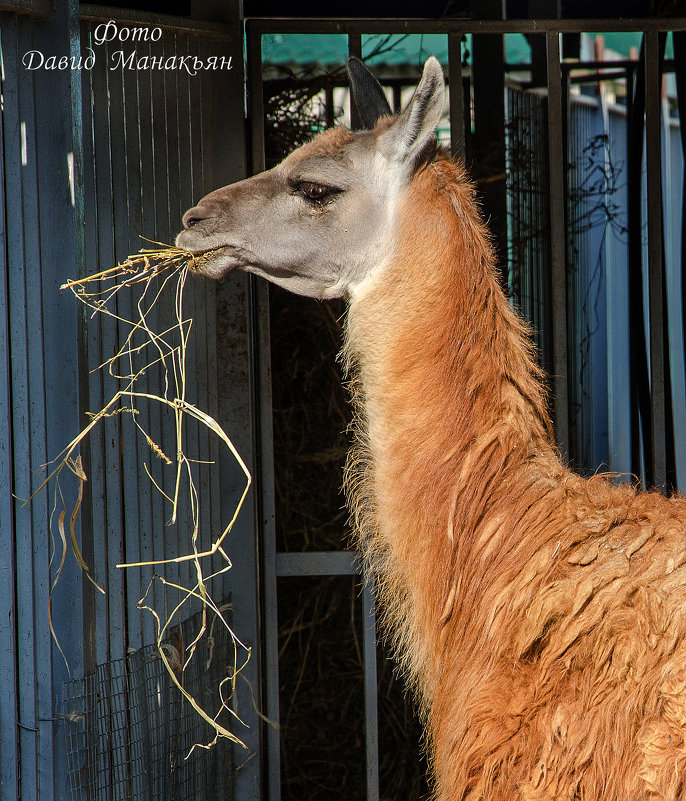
(371, 706)
(488, 142)
(368, 614)
(653, 96)
(114, 458)
(162, 188)
(354, 49)
(557, 240)
(202, 167)
(256, 98)
(61, 240)
(90, 351)
(641, 434)
(9, 232)
(397, 98)
(259, 325)
(456, 95)
(329, 106)
(679, 41)
(147, 222)
(28, 418)
(355, 44)
(132, 495)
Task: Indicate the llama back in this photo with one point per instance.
(571, 675)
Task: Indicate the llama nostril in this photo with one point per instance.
(193, 217)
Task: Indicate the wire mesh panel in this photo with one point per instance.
(131, 733)
(527, 202)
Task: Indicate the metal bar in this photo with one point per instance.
(34, 8)
(54, 332)
(258, 311)
(355, 43)
(90, 395)
(371, 704)
(421, 25)
(195, 439)
(147, 520)
(558, 259)
(133, 489)
(354, 50)
(619, 64)
(162, 189)
(679, 41)
(455, 92)
(256, 99)
(28, 401)
(97, 13)
(641, 434)
(488, 141)
(265, 519)
(114, 457)
(653, 98)
(317, 563)
(10, 234)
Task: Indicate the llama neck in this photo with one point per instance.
(451, 407)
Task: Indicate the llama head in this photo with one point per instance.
(323, 220)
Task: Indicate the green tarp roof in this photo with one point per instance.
(329, 49)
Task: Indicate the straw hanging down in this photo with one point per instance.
(151, 273)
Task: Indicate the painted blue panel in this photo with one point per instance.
(95, 602)
(9, 756)
(22, 251)
(588, 233)
(100, 348)
(114, 478)
(617, 258)
(127, 202)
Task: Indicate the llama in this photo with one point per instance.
(540, 617)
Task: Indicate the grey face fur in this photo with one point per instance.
(322, 221)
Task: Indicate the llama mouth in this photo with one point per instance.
(200, 257)
(216, 262)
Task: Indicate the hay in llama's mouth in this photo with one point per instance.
(217, 261)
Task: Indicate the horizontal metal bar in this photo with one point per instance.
(138, 19)
(395, 25)
(317, 563)
(34, 8)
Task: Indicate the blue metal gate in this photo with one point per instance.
(96, 151)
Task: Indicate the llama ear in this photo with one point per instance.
(368, 96)
(416, 124)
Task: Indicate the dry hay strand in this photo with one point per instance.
(153, 272)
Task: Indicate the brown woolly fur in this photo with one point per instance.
(539, 616)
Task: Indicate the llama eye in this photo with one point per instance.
(314, 191)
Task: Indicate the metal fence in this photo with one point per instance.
(91, 158)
